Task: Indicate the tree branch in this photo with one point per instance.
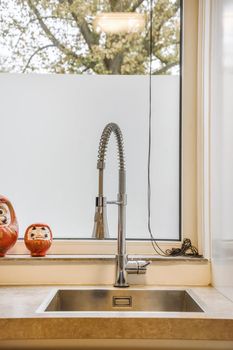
(51, 17)
(159, 25)
(35, 19)
(48, 32)
(34, 54)
(165, 68)
(135, 5)
(113, 5)
(90, 37)
(116, 63)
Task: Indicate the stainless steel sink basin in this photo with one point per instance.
(73, 300)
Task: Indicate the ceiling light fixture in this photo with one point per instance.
(119, 22)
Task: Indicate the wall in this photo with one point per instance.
(222, 146)
(93, 270)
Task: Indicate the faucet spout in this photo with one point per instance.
(100, 230)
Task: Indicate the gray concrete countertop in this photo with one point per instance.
(92, 257)
(19, 319)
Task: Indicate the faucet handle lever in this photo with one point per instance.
(114, 202)
(137, 266)
(121, 200)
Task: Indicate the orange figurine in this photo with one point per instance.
(8, 226)
(38, 239)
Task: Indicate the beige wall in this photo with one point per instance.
(95, 272)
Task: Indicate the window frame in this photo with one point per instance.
(189, 192)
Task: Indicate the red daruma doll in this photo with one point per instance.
(8, 226)
(38, 239)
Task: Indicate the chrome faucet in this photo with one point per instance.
(100, 230)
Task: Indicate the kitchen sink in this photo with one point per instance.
(73, 300)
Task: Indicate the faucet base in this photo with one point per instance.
(121, 274)
(121, 285)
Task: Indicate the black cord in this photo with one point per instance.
(187, 249)
(155, 245)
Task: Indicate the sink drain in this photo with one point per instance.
(122, 301)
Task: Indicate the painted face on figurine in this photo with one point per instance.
(4, 214)
(39, 233)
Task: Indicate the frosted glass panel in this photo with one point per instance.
(50, 130)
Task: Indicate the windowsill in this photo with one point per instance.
(68, 248)
(95, 257)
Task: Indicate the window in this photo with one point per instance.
(54, 121)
